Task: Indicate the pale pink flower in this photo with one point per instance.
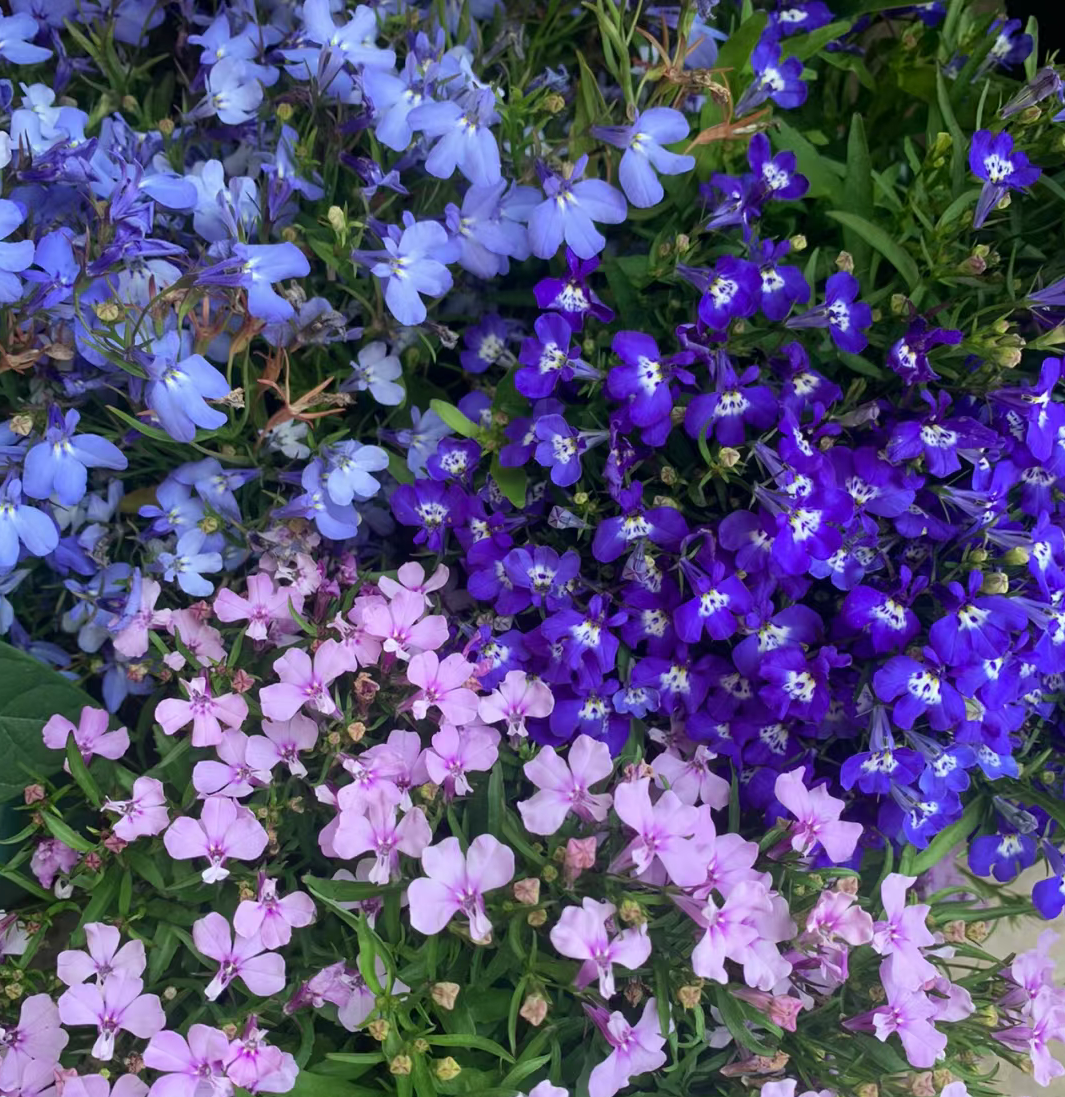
(837, 916)
(456, 753)
(691, 778)
(378, 832)
(904, 932)
(564, 785)
(406, 757)
(519, 696)
(196, 1068)
(116, 1004)
(273, 918)
(51, 858)
(443, 684)
(732, 930)
(283, 741)
(202, 641)
(372, 779)
(581, 934)
(257, 1066)
(348, 991)
(304, 683)
(817, 818)
(261, 607)
(781, 1009)
(456, 884)
(411, 577)
(400, 627)
(144, 813)
(661, 847)
(205, 712)
(132, 640)
(224, 830)
(546, 1089)
(233, 775)
(909, 1013)
(103, 958)
(1045, 1022)
(244, 958)
(91, 735)
(635, 1049)
(96, 1085)
(729, 858)
(37, 1035)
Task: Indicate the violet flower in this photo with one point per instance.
(645, 155)
(455, 753)
(305, 683)
(378, 832)
(224, 830)
(842, 314)
(774, 79)
(817, 818)
(635, 1049)
(204, 711)
(282, 741)
(518, 696)
(992, 158)
(115, 1004)
(20, 522)
(273, 918)
(408, 268)
(177, 391)
(144, 813)
(571, 207)
(565, 785)
(662, 846)
(194, 1067)
(581, 934)
(443, 685)
(244, 958)
(103, 959)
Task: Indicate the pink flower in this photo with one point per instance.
(564, 785)
(456, 753)
(36, 1036)
(116, 1004)
(837, 916)
(282, 742)
(263, 605)
(132, 640)
(348, 991)
(662, 834)
(517, 697)
(909, 1013)
(816, 818)
(729, 858)
(400, 627)
(456, 884)
(411, 577)
(50, 858)
(691, 778)
(233, 775)
(142, 815)
(273, 918)
(406, 761)
(223, 830)
(442, 684)
(581, 934)
(904, 932)
(546, 1089)
(243, 958)
(202, 641)
(1045, 1021)
(32, 1077)
(206, 713)
(781, 1009)
(96, 1085)
(303, 683)
(636, 1049)
(359, 644)
(257, 1066)
(378, 832)
(103, 959)
(91, 735)
(730, 929)
(192, 1069)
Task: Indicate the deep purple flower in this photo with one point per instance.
(777, 175)
(1043, 417)
(486, 342)
(545, 578)
(569, 211)
(782, 286)
(801, 16)
(643, 378)
(561, 447)
(572, 296)
(716, 603)
(663, 526)
(547, 358)
(430, 506)
(736, 403)
(919, 689)
(842, 314)
(774, 79)
(992, 158)
(729, 291)
(643, 143)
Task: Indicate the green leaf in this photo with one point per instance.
(824, 174)
(913, 864)
(804, 46)
(30, 694)
(397, 467)
(859, 191)
(58, 829)
(454, 418)
(462, 1039)
(735, 55)
(345, 891)
(512, 481)
(143, 428)
(80, 772)
(872, 234)
(735, 1017)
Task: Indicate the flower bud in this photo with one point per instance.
(845, 262)
(683, 242)
(690, 996)
(165, 126)
(633, 992)
(421, 1046)
(444, 994)
(534, 1009)
(295, 805)
(549, 873)
(401, 1064)
(527, 891)
(290, 234)
(33, 794)
(978, 931)
(446, 1069)
(92, 861)
(899, 304)
(284, 112)
(922, 1085)
(554, 103)
(22, 425)
(954, 932)
(13, 991)
(867, 1089)
(728, 457)
(230, 1030)
(877, 993)
(133, 1063)
(338, 222)
(848, 885)
(995, 583)
(580, 498)
(1017, 557)
(668, 476)
(987, 1015)
(169, 994)
(942, 1077)
(631, 913)
(379, 1029)
(798, 242)
(107, 311)
(356, 730)
(428, 791)
(537, 918)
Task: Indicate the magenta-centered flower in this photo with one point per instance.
(661, 846)
(455, 883)
(192, 1068)
(581, 933)
(103, 959)
(564, 785)
(91, 735)
(204, 711)
(305, 683)
(224, 830)
(518, 696)
(116, 1004)
(144, 813)
(244, 958)
(271, 917)
(635, 1049)
(817, 818)
(443, 684)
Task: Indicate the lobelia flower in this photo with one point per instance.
(662, 847)
(442, 684)
(456, 884)
(908, 356)
(379, 832)
(244, 958)
(144, 814)
(103, 959)
(273, 919)
(407, 269)
(635, 1049)
(50, 858)
(263, 605)
(782, 287)
(564, 785)
(193, 1067)
(115, 1004)
(817, 818)
(15, 256)
(465, 137)
(132, 638)
(16, 40)
(455, 753)
(20, 522)
(376, 371)
(204, 711)
(777, 175)
(560, 448)
(258, 1067)
(643, 379)
(919, 688)
(90, 736)
(517, 697)
(572, 296)
(59, 464)
(581, 934)
(548, 358)
(774, 79)
(233, 775)
(349, 467)
(400, 626)
(732, 931)
(568, 213)
(644, 154)
(910, 1014)
(224, 830)
(691, 778)
(411, 577)
(234, 92)
(188, 561)
(36, 1036)
(992, 158)
(282, 741)
(304, 683)
(177, 391)
(96, 1085)
(842, 314)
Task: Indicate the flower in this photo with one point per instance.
(407, 269)
(262, 606)
(644, 154)
(376, 371)
(662, 845)
(992, 158)
(90, 736)
(177, 391)
(115, 1004)
(192, 1067)
(842, 314)
(456, 883)
(565, 785)
(58, 465)
(16, 40)
(282, 741)
(20, 522)
(443, 684)
(635, 1049)
(145, 813)
(455, 753)
(518, 697)
(817, 818)
(303, 682)
(378, 832)
(773, 79)
(465, 137)
(581, 934)
(204, 711)
(224, 830)
(571, 207)
(239, 957)
(103, 959)
(16, 256)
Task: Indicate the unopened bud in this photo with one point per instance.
(92, 861)
(230, 1030)
(995, 583)
(445, 994)
(130, 103)
(379, 1029)
(942, 1077)
(978, 555)
(169, 993)
(683, 242)
(537, 918)
(134, 1063)
(728, 457)
(13, 991)
(554, 103)
(446, 1069)
(247, 892)
(284, 112)
(333, 738)
(899, 303)
(356, 730)
(845, 262)
(1017, 557)
(631, 913)
(22, 425)
(668, 476)
(401, 1064)
(337, 219)
(107, 311)
(1004, 201)
(427, 792)
(877, 993)
(690, 996)
(954, 932)
(290, 234)
(922, 1085)
(165, 126)
(798, 242)
(527, 891)
(987, 1015)
(534, 1009)
(867, 1089)
(978, 931)
(633, 992)
(421, 1046)
(241, 681)
(580, 498)
(848, 885)
(33, 794)
(549, 873)
(209, 524)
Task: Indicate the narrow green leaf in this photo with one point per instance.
(947, 839)
(462, 1039)
(66, 834)
(454, 418)
(900, 259)
(512, 481)
(825, 175)
(80, 772)
(397, 467)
